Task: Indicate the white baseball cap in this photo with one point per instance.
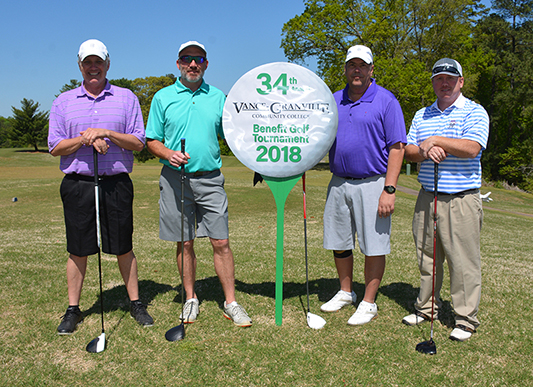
(361, 52)
(192, 43)
(447, 66)
(93, 47)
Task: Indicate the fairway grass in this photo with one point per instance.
(214, 351)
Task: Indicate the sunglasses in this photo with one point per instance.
(446, 68)
(190, 58)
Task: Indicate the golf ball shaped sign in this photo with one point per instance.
(280, 119)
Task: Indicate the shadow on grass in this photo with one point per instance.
(117, 297)
(405, 295)
(209, 289)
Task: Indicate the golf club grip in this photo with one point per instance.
(436, 177)
(95, 162)
(305, 204)
(183, 151)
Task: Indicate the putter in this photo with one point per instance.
(178, 332)
(98, 344)
(313, 321)
(429, 347)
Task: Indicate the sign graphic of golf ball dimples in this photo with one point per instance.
(280, 119)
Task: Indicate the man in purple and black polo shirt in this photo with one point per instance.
(365, 160)
(107, 118)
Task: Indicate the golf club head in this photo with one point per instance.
(176, 333)
(427, 347)
(314, 321)
(97, 345)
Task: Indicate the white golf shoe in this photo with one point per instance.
(415, 319)
(338, 301)
(461, 333)
(364, 314)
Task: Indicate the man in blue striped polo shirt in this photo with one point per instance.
(452, 133)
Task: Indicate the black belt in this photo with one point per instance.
(459, 194)
(357, 178)
(201, 173)
(77, 176)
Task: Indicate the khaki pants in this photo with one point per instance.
(459, 221)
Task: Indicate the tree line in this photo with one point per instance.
(494, 47)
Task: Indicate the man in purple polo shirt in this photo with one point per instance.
(107, 118)
(365, 160)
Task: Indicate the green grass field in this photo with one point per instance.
(215, 352)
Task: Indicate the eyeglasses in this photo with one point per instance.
(190, 58)
(446, 68)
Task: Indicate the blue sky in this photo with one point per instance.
(39, 40)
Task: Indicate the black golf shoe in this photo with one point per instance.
(71, 319)
(139, 313)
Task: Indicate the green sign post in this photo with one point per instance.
(280, 187)
(280, 120)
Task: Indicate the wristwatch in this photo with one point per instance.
(390, 189)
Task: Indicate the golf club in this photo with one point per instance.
(178, 332)
(98, 344)
(429, 347)
(313, 321)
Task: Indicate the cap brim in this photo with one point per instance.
(446, 73)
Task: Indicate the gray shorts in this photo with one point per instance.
(352, 208)
(206, 206)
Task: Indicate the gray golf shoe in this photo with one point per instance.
(237, 314)
(190, 311)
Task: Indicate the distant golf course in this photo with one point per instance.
(214, 351)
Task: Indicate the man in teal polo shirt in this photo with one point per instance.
(192, 109)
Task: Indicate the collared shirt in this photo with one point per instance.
(367, 128)
(114, 109)
(464, 119)
(177, 112)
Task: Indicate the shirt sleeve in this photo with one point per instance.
(476, 126)
(135, 124)
(394, 124)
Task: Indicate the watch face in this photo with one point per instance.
(390, 189)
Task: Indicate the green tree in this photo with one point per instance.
(504, 88)
(406, 38)
(123, 82)
(74, 83)
(5, 133)
(145, 89)
(30, 126)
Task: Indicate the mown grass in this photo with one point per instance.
(214, 352)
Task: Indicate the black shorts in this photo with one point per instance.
(116, 214)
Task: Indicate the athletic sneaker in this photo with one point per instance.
(415, 319)
(237, 313)
(139, 313)
(364, 314)
(461, 333)
(338, 301)
(71, 319)
(190, 311)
